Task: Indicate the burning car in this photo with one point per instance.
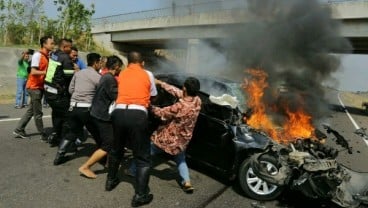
(222, 141)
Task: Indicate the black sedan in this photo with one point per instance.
(221, 140)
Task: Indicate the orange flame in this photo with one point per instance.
(298, 124)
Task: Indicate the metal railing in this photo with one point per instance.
(182, 10)
(174, 10)
(339, 1)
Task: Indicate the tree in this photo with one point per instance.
(11, 14)
(22, 21)
(34, 18)
(75, 20)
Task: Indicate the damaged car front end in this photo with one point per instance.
(310, 167)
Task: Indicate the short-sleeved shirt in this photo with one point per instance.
(83, 85)
(136, 86)
(40, 61)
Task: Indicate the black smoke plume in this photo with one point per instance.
(295, 42)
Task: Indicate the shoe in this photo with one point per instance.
(60, 159)
(44, 137)
(139, 200)
(17, 107)
(73, 148)
(20, 134)
(187, 188)
(45, 105)
(111, 184)
(25, 106)
(53, 140)
(78, 142)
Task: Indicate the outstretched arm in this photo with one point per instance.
(170, 88)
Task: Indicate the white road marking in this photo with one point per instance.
(356, 126)
(17, 119)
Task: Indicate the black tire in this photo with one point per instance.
(248, 181)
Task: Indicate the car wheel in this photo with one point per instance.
(255, 187)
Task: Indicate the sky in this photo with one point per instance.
(112, 7)
(353, 71)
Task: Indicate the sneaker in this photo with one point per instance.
(45, 105)
(17, 107)
(25, 105)
(187, 188)
(20, 134)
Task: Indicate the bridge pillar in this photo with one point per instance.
(192, 56)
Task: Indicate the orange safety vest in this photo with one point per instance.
(35, 82)
(134, 86)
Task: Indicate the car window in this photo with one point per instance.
(213, 110)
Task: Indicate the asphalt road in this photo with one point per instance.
(28, 178)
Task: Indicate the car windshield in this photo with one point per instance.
(210, 86)
(238, 92)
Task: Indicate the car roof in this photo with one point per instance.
(209, 84)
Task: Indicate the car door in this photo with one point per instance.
(211, 143)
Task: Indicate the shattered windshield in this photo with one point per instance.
(238, 92)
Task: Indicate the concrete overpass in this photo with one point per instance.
(186, 24)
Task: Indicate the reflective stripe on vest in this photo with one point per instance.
(68, 71)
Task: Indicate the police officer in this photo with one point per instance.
(82, 89)
(57, 80)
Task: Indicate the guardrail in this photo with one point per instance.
(174, 10)
(339, 1)
(182, 10)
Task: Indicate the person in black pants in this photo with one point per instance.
(58, 77)
(82, 88)
(130, 123)
(105, 95)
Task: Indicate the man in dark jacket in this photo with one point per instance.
(106, 93)
(58, 77)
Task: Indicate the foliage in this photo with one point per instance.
(75, 21)
(24, 22)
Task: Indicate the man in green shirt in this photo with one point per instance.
(22, 75)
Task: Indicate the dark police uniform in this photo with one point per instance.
(57, 80)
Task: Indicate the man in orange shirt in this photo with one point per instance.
(130, 123)
(34, 87)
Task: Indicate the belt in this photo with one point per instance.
(80, 105)
(131, 107)
(50, 89)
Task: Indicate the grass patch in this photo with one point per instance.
(7, 99)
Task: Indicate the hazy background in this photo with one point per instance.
(353, 73)
(351, 76)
